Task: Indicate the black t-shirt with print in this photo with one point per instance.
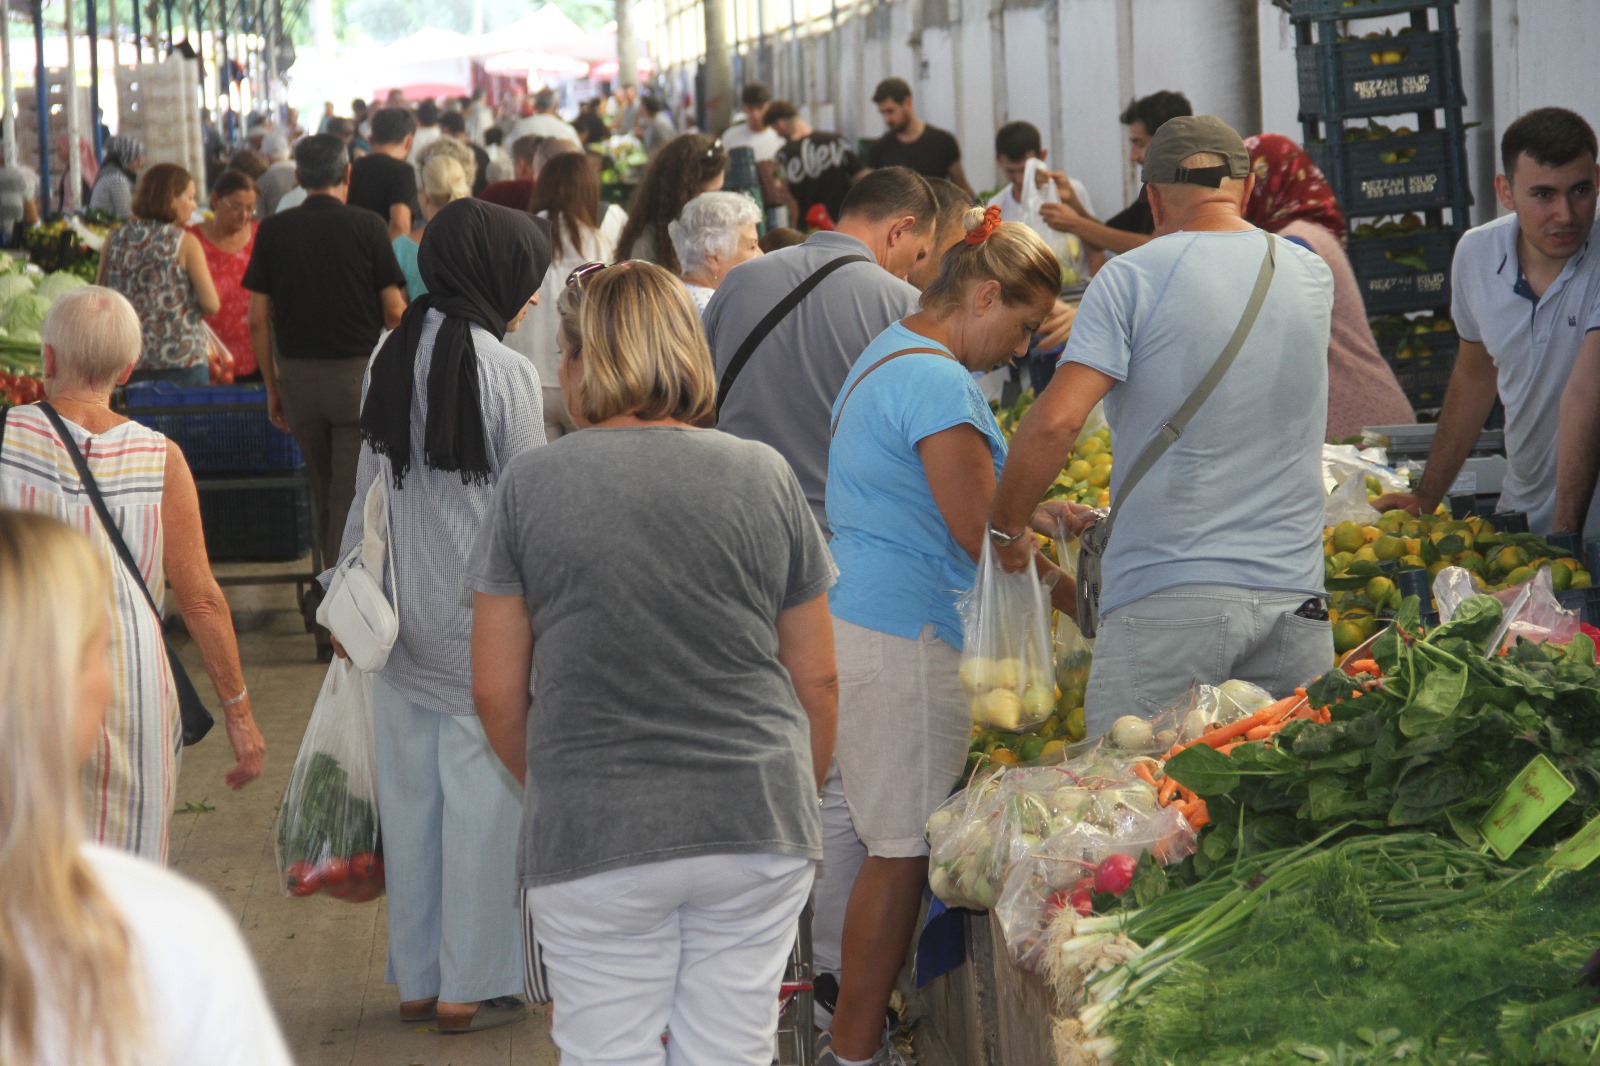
(931, 155)
(1136, 217)
(818, 168)
(377, 181)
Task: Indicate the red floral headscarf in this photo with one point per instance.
(1289, 186)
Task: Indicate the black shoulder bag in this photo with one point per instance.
(197, 721)
(779, 312)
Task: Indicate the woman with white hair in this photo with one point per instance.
(715, 233)
(91, 340)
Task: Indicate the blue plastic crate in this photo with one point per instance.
(1322, 10)
(216, 442)
(1394, 175)
(256, 525)
(1386, 76)
(1404, 272)
(1585, 601)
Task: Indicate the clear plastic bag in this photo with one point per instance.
(1073, 652)
(1067, 248)
(1007, 668)
(327, 834)
(967, 848)
(1532, 610)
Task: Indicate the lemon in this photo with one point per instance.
(1560, 577)
(1347, 537)
(1580, 580)
(1412, 562)
(1100, 477)
(1340, 561)
(1052, 749)
(1078, 470)
(1366, 554)
(1391, 521)
(1101, 459)
(1379, 589)
(1347, 635)
(1076, 730)
(1520, 575)
(1002, 756)
(1091, 447)
(1388, 547)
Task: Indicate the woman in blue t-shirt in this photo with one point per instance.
(911, 471)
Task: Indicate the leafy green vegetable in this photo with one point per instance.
(24, 314)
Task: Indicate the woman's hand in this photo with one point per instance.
(1076, 517)
(249, 747)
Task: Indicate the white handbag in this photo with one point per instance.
(356, 610)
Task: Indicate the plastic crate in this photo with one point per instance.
(1394, 175)
(216, 442)
(256, 525)
(1403, 348)
(1585, 601)
(1424, 380)
(1323, 10)
(1389, 275)
(1351, 79)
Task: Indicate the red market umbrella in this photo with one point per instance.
(424, 90)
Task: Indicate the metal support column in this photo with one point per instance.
(41, 96)
(92, 27)
(719, 66)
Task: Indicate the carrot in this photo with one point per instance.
(1166, 790)
(1188, 795)
(1363, 666)
(1142, 772)
(1227, 749)
(1261, 732)
(1200, 820)
(1221, 735)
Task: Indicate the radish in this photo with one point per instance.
(1114, 874)
(1081, 897)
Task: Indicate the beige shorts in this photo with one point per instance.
(904, 729)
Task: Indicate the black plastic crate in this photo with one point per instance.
(1411, 344)
(1585, 601)
(216, 442)
(1323, 10)
(1384, 76)
(256, 525)
(1405, 272)
(1424, 380)
(1395, 174)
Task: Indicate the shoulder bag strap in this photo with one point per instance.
(1174, 427)
(4, 411)
(91, 487)
(778, 313)
(892, 355)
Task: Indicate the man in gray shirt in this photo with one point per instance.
(782, 391)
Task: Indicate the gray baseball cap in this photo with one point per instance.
(1179, 138)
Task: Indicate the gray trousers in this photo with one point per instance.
(322, 401)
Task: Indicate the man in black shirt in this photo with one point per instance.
(911, 142)
(453, 124)
(1133, 225)
(818, 167)
(324, 284)
(383, 180)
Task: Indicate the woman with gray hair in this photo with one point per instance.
(119, 172)
(715, 233)
(91, 342)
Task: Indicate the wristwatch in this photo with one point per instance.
(1005, 540)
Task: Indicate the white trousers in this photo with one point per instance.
(692, 946)
(450, 816)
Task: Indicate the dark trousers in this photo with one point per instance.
(322, 401)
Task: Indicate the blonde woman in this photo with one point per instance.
(105, 959)
(670, 827)
(443, 181)
(911, 470)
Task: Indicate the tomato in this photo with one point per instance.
(365, 891)
(333, 870)
(364, 866)
(343, 890)
(302, 879)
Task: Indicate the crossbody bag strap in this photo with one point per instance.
(778, 313)
(892, 355)
(4, 411)
(1169, 433)
(92, 487)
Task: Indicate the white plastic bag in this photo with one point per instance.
(327, 835)
(1066, 247)
(1006, 665)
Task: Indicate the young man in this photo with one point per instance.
(1014, 145)
(756, 133)
(1132, 226)
(911, 142)
(454, 125)
(383, 181)
(818, 168)
(1526, 303)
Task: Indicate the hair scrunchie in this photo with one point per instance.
(985, 229)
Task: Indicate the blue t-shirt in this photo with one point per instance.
(1238, 500)
(899, 567)
(405, 252)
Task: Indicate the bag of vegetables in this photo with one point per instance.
(327, 838)
(1007, 666)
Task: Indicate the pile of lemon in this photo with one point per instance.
(1086, 476)
(1360, 563)
(1046, 740)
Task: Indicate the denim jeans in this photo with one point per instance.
(1150, 651)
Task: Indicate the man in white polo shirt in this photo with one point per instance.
(1526, 302)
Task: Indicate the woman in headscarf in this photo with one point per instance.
(1292, 199)
(119, 172)
(446, 406)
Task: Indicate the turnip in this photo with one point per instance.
(1114, 874)
(1132, 733)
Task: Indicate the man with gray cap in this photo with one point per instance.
(1214, 567)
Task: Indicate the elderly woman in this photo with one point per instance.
(119, 172)
(670, 823)
(446, 407)
(227, 238)
(715, 233)
(91, 338)
(161, 268)
(913, 465)
(97, 969)
(443, 181)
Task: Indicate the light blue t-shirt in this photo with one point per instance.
(1238, 500)
(899, 567)
(405, 251)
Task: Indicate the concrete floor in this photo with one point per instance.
(321, 959)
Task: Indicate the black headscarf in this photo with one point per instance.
(481, 263)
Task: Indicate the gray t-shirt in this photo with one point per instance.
(1238, 500)
(655, 563)
(784, 396)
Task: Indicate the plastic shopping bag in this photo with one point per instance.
(968, 849)
(1066, 247)
(1532, 610)
(1007, 668)
(1074, 652)
(327, 839)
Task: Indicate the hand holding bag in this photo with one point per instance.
(356, 610)
(1097, 537)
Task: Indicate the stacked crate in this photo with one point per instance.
(160, 104)
(55, 117)
(1382, 115)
